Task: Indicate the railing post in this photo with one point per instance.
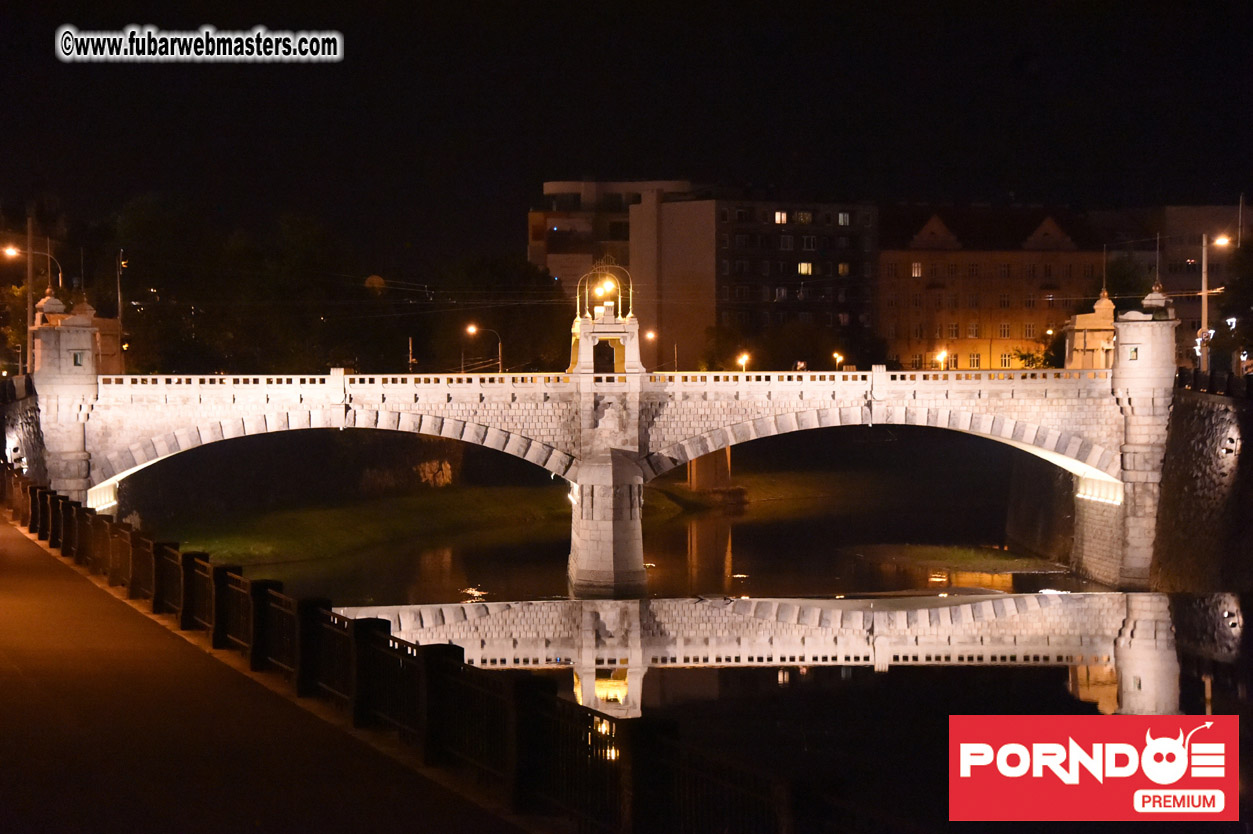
(84, 521)
(143, 563)
(360, 685)
(56, 507)
(119, 565)
(101, 542)
(45, 514)
(258, 623)
(69, 529)
(305, 674)
(187, 578)
(217, 587)
(525, 746)
(435, 661)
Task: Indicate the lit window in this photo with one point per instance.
(805, 268)
(780, 217)
(843, 268)
(915, 269)
(804, 217)
(843, 218)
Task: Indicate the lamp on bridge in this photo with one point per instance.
(742, 361)
(1204, 334)
(839, 359)
(500, 346)
(940, 359)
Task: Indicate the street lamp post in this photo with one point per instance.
(742, 361)
(839, 359)
(1204, 334)
(500, 345)
(13, 252)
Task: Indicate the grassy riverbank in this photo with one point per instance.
(470, 515)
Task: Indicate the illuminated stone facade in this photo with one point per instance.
(969, 288)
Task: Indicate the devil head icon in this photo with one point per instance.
(1164, 760)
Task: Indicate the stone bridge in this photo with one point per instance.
(610, 645)
(608, 432)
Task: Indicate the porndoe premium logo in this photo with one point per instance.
(1093, 767)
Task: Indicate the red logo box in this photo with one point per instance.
(1093, 767)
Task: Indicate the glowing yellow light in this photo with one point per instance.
(650, 335)
(742, 361)
(838, 357)
(1048, 332)
(472, 329)
(609, 285)
(940, 357)
(600, 291)
(12, 251)
(1222, 240)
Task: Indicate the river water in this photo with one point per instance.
(877, 737)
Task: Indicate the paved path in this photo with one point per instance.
(110, 722)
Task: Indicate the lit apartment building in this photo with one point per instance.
(581, 222)
(967, 287)
(750, 266)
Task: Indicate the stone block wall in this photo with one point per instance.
(1204, 525)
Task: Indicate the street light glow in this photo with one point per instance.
(12, 251)
(650, 335)
(472, 329)
(742, 361)
(1222, 240)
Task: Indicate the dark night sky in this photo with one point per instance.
(434, 134)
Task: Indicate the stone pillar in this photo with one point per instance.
(63, 366)
(606, 539)
(1144, 656)
(1143, 383)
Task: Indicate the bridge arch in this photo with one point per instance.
(1069, 450)
(114, 465)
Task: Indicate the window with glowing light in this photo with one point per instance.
(805, 268)
(780, 217)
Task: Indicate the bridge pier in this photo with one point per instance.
(606, 539)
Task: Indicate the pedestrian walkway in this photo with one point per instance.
(111, 722)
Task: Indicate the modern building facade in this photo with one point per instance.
(977, 287)
(581, 222)
(750, 267)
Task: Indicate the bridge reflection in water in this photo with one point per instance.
(1119, 646)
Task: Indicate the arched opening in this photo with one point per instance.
(604, 357)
